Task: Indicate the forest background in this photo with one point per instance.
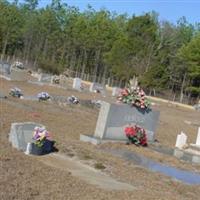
(164, 56)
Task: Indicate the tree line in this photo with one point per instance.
(164, 56)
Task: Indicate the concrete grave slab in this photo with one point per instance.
(113, 118)
(21, 134)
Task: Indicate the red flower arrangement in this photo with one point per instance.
(136, 135)
(134, 97)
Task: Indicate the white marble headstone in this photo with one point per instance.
(77, 84)
(198, 137)
(181, 140)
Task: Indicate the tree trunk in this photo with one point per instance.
(44, 53)
(182, 88)
(97, 57)
(84, 63)
(5, 46)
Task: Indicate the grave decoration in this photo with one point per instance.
(56, 79)
(18, 65)
(135, 97)
(73, 100)
(43, 143)
(15, 92)
(97, 103)
(136, 135)
(43, 96)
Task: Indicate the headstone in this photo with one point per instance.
(116, 91)
(181, 140)
(97, 87)
(45, 78)
(5, 68)
(198, 137)
(77, 84)
(21, 134)
(113, 118)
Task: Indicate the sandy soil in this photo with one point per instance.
(27, 177)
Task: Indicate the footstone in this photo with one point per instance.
(113, 118)
(181, 140)
(21, 134)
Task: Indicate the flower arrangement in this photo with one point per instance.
(73, 100)
(43, 96)
(136, 135)
(15, 92)
(40, 135)
(134, 96)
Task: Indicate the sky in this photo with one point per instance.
(170, 10)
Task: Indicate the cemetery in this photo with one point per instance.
(92, 132)
(99, 100)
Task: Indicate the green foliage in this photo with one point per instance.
(162, 55)
(50, 67)
(190, 55)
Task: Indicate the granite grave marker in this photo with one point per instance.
(113, 118)
(21, 134)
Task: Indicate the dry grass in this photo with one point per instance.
(25, 177)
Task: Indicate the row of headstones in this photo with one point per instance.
(110, 125)
(181, 140)
(95, 87)
(78, 85)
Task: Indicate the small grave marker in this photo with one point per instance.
(181, 140)
(198, 137)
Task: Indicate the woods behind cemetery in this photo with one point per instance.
(104, 44)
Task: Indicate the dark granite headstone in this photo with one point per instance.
(113, 118)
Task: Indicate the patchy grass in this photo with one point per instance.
(99, 166)
(87, 157)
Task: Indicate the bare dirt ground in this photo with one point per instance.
(28, 177)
